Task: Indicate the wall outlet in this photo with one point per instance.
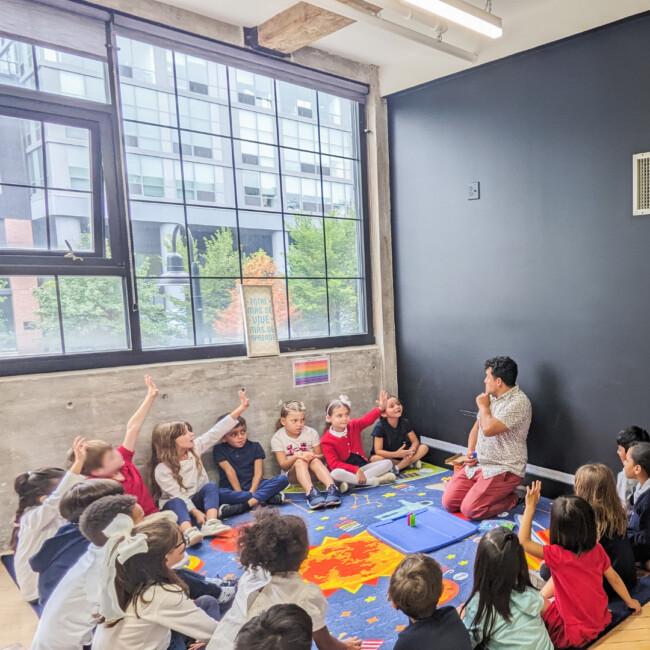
(473, 191)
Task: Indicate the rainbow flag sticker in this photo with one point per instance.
(307, 372)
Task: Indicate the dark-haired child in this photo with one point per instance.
(637, 466)
(504, 610)
(71, 613)
(415, 589)
(624, 440)
(61, 551)
(577, 612)
(393, 437)
(240, 461)
(38, 517)
(104, 461)
(281, 627)
(271, 551)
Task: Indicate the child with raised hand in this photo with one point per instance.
(297, 449)
(281, 627)
(38, 517)
(241, 471)
(624, 440)
(145, 600)
(343, 449)
(271, 551)
(415, 589)
(71, 613)
(595, 484)
(62, 550)
(504, 610)
(637, 466)
(393, 437)
(578, 612)
(179, 478)
(104, 461)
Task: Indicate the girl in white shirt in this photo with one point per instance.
(152, 599)
(38, 517)
(179, 479)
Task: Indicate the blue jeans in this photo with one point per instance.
(210, 606)
(268, 487)
(205, 499)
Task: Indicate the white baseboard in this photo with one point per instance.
(542, 472)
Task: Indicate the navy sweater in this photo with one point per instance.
(638, 530)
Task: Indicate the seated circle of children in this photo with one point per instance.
(297, 449)
(624, 440)
(637, 466)
(343, 449)
(241, 483)
(179, 478)
(415, 589)
(393, 437)
(577, 611)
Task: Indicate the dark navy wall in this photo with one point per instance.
(549, 266)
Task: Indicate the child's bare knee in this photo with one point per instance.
(315, 463)
(300, 463)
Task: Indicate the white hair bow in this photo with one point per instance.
(120, 547)
(344, 400)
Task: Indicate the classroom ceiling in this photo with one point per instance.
(404, 63)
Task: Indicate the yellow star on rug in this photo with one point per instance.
(451, 557)
(324, 518)
(389, 494)
(463, 562)
(371, 599)
(374, 619)
(320, 527)
(422, 494)
(345, 614)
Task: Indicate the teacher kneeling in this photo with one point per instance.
(485, 486)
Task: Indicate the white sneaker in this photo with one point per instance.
(227, 594)
(343, 487)
(417, 464)
(213, 527)
(193, 536)
(386, 478)
(373, 481)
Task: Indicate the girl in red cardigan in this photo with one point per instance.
(341, 444)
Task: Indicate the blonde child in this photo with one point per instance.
(38, 517)
(179, 478)
(578, 612)
(272, 550)
(298, 451)
(343, 449)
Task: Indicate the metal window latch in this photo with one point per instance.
(71, 255)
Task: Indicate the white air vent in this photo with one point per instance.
(641, 184)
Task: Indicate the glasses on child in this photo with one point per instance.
(185, 542)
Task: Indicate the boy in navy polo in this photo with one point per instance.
(241, 486)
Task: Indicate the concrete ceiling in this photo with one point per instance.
(404, 63)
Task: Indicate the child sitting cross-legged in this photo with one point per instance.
(241, 486)
(415, 589)
(393, 437)
(637, 466)
(271, 551)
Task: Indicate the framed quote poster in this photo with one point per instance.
(259, 320)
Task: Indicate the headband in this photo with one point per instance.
(343, 399)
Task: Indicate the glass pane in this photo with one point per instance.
(249, 89)
(22, 159)
(70, 220)
(258, 127)
(22, 217)
(141, 64)
(93, 314)
(205, 116)
(305, 246)
(29, 316)
(251, 155)
(148, 105)
(262, 244)
(217, 312)
(308, 308)
(346, 299)
(68, 157)
(340, 200)
(296, 101)
(303, 163)
(336, 112)
(298, 135)
(302, 194)
(214, 234)
(199, 77)
(71, 75)
(16, 64)
(343, 245)
(158, 239)
(258, 190)
(165, 313)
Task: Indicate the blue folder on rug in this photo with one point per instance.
(434, 528)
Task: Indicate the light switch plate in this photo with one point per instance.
(473, 191)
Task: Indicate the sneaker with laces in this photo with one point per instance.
(213, 527)
(395, 470)
(227, 510)
(193, 536)
(227, 595)
(332, 497)
(276, 499)
(315, 499)
(386, 478)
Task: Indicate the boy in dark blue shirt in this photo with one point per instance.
(415, 589)
(240, 462)
(637, 466)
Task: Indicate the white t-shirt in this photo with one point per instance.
(259, 590)
(68, 619)
(306, 441)
(161, 610)
(37, 525)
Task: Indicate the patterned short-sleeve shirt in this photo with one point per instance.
(507, 451)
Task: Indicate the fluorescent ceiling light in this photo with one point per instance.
(462, 13)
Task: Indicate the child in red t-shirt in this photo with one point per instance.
(342, 446)
(576, 611)
(104, 461)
